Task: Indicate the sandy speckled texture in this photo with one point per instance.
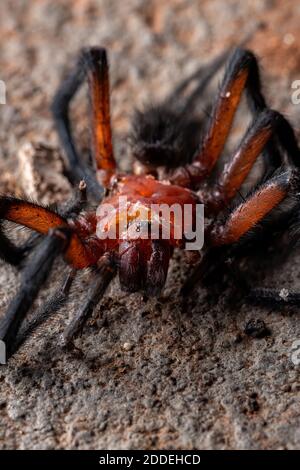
(137, 383)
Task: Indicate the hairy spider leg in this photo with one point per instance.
(273, 297)
(53, 305)
(241, 74)
(14, 254)
(243, 220)
(59, 239)
(33, 276)
(92, 63)
(251, 211)
(96, 65)
(102, 276)
(42, 219)
(9, 251)
(203, 75)
(265, 125)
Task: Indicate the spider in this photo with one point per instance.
(173, 163)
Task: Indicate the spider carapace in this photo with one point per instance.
(121, 226)
(173, 165)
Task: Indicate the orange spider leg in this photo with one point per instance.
(248, 214)
(98, 79)
(42, 220)
(242, 73)
(221, 121)
(238, 168)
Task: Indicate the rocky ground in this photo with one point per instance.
(139, 383)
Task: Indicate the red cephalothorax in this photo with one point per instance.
(140, 222)
(108, 228)
(137, 201)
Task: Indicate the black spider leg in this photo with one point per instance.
(72, 208)
(280, 297)
(260, 239)
(273, 297)
(33, 276)
(212, 261)
(187, 107)
(53, 305)
(102, 276)
(203, 75)
(77, 204)
(288, 142)
(9, 252)
(258, 295)
(226, 260)
(76, 169)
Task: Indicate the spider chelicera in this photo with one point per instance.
(173, 164)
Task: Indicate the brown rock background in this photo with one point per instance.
(214, 387)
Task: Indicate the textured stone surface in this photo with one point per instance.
(137, 382)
